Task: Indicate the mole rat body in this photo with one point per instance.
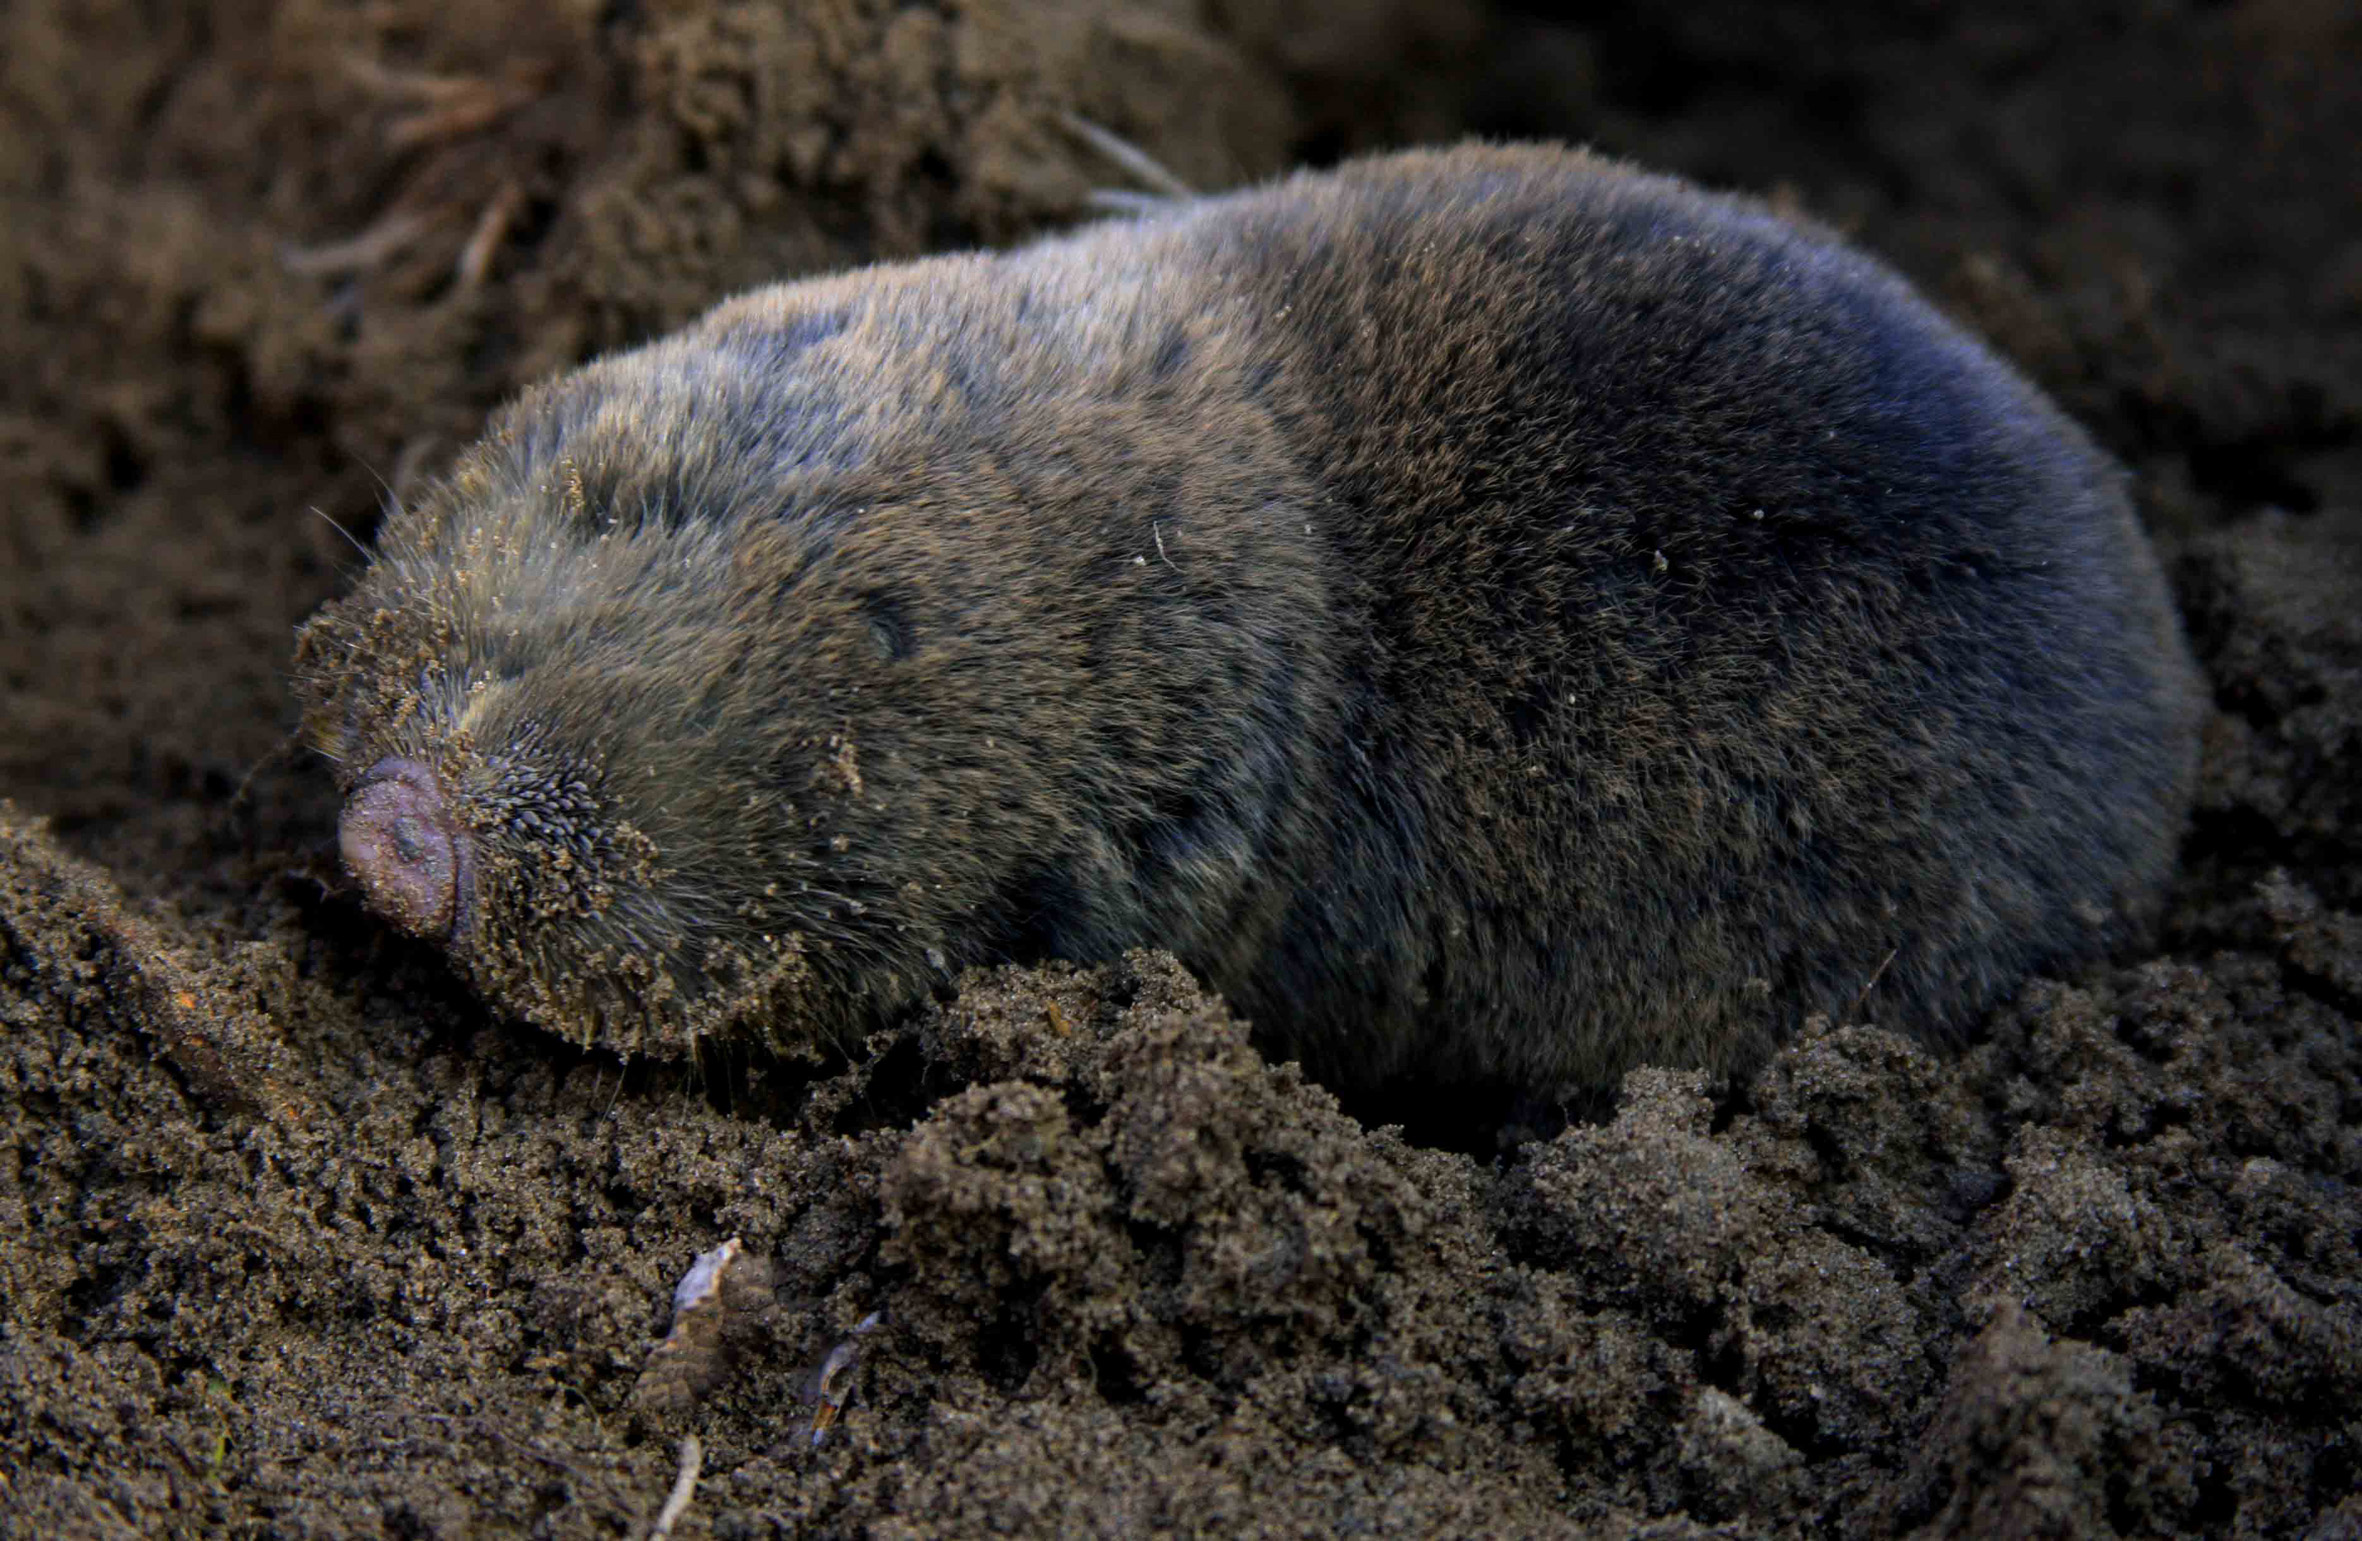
(1491, 613)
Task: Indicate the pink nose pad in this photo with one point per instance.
(399, 843)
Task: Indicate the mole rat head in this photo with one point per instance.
(564, 715)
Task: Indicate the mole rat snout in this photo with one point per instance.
(400, 843)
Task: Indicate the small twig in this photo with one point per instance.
(492, 227)
(373, 247)
(1872, 982)
(413, 85)
(448, 106)
(1129, 156)
(676, 1503)
(831, 1385)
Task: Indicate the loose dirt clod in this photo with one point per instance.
(715, 1305)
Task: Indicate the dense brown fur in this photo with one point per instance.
(1490, 612)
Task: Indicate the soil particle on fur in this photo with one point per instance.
(295, 1239)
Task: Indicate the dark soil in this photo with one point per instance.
(295, 1239)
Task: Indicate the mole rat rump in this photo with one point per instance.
(1491, 613)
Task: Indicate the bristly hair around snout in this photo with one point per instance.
(497, 665)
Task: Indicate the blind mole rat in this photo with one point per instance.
(1491, 612)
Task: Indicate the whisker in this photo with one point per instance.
(349, 538)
